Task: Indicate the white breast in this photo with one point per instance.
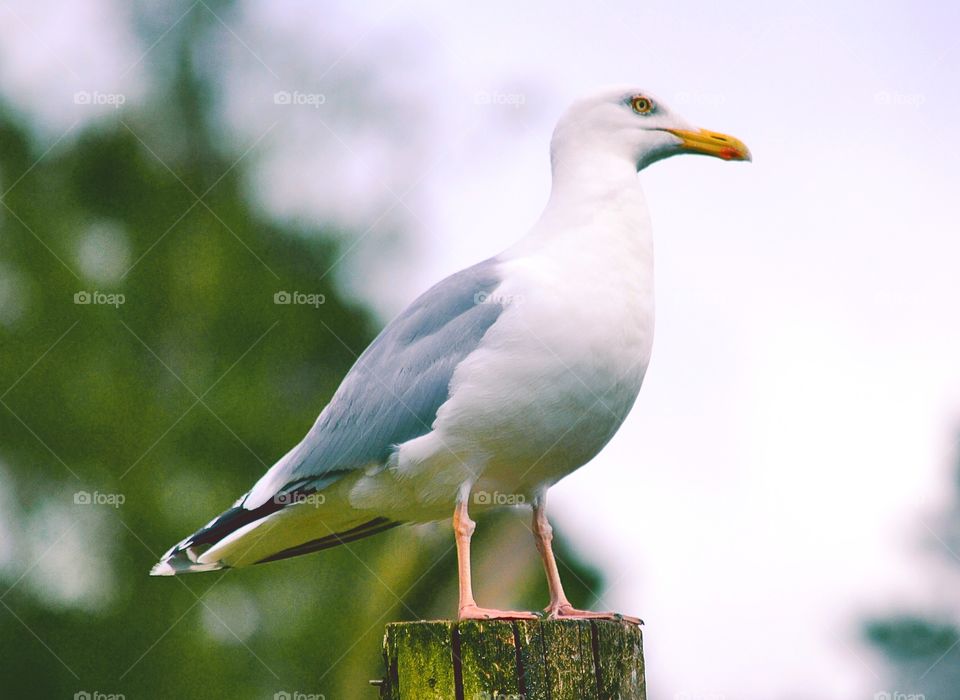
(557, 374)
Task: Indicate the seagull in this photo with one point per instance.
(495, 383)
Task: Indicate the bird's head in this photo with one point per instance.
(631, 123)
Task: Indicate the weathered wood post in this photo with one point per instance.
(513, 660)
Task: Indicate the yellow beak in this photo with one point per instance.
(711, 143)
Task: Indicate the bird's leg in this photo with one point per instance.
(463, 528)
(559, 606)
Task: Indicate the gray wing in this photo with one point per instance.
(394, 390)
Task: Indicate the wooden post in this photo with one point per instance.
(513, 660)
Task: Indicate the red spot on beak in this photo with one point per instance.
(729, 153)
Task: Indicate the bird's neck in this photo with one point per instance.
(584, 178)
(593, 199)
(593, 188)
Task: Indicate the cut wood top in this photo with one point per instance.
(514, 660)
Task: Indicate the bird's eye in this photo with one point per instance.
(641, 104)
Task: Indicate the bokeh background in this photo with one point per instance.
(783, 505)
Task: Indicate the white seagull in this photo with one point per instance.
(495, 383)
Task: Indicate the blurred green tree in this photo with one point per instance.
(923, 648)
(128, 422)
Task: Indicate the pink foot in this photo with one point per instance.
(473, 612)
(565, 611)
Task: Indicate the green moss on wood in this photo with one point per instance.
(514, 660)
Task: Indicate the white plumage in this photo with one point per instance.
(502, 379)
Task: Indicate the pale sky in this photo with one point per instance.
(799, 412)
(799, 418)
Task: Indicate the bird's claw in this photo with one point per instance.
(568, 612)
(474, 612)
